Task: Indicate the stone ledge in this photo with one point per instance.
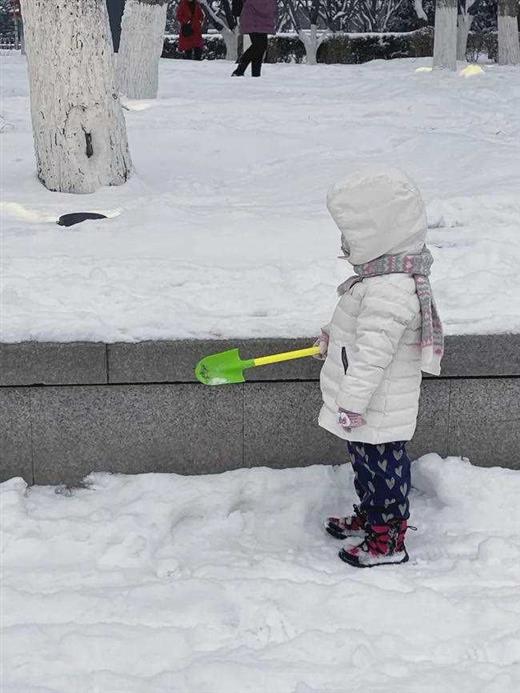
(174, 361)
(53, 363)
(83, 363)
(482, 355)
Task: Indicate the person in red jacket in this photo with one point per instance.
(190, 17)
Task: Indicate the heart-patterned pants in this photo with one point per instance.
(382, 480)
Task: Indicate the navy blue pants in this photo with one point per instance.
(382, 480)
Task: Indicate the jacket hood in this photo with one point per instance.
(379, 211)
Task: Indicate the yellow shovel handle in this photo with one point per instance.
(286, 356)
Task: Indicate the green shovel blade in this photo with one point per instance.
(225, 368)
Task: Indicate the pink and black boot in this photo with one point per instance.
(345, 527)
(383, 545)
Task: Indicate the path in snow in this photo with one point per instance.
(228, 584)
(223, 230)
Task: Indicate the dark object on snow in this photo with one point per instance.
(78, 217)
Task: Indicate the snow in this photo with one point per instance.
(228, 584)
(223, 230)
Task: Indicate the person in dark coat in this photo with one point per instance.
(190, 17)
(258, 19)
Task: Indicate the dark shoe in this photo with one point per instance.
(256, 68)
(236, 73)
(383, 545)
(345, 527)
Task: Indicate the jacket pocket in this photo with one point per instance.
(344, 359)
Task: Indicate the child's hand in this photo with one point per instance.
(349, 420)
(323, 343)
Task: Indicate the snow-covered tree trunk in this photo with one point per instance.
(310, 39)
(419, 10)
(508, 42)
(227, 25)
(464, 22)
(230, 37)
(445, 41)
(311, 42)
(78, 125)
(142, 38)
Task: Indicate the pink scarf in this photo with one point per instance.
(418, 266)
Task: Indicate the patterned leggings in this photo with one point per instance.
(382, 480)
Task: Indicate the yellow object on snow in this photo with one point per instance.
(471, 71)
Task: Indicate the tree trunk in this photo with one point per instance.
(78, 125)
(142, 38)
(230, 37)
(227, 26)
(445, 41)
(464, 23)
(310, 43)
(508, 43)
(419, 10)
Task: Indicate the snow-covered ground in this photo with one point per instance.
(223, 230)
(228, 584)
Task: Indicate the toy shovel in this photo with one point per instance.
(227, 367)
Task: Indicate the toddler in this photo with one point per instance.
(384, 331)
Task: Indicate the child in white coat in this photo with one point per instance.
(384, 331)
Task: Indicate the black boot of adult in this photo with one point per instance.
(260, 48)
(256, 68)
(254, 55)
(242, 65)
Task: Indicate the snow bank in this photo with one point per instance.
(223, 230)
(228, 584)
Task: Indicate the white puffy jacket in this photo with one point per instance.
(373, 364)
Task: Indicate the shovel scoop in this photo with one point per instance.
(227, 367)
